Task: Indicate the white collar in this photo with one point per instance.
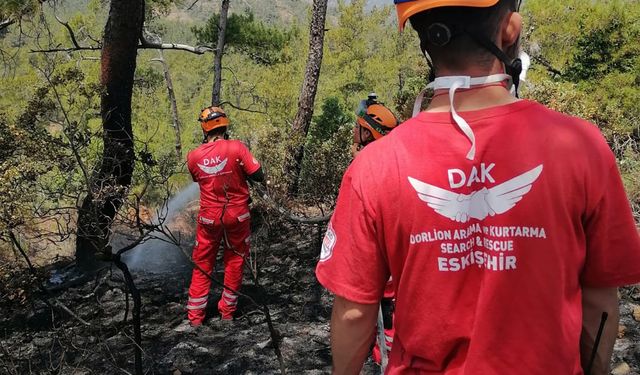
(453, 83)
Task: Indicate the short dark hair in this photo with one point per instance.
(217, 131)
(462, 51)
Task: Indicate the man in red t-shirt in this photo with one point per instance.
(221, 167)
(504, 225)
(374, 121)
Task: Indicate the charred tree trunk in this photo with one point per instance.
(302, 120)
(217, 60)
(174, 104)
(112, 179)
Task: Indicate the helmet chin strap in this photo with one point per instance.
(440, 34)
(453, 83)
(516, 70)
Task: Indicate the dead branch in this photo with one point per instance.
(71, 313)
(289, 215)
(144, 44)
(198, 50)
(547, 65)
(172, 99)
(18, 246)
(6, 23)
(242, 109)
(275, 337)
(72, 35)
(74, 148)
(45, 299)
(137, 304)
(70, 49)
(193, 4)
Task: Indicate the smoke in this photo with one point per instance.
(157, 254)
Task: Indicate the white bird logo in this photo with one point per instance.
(214, 169)
(479, 204)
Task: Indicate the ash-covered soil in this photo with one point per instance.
(36, 339)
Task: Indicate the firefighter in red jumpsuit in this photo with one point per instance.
(221, 167)
(374, 121)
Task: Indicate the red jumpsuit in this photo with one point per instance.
(220, 168)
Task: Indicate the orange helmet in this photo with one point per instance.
(407, 8)
(375, 117)
(212, 118)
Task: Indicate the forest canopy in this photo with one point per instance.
(585, 62)
(99, 107)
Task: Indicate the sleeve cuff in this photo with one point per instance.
(346, 291)
(614, 282)
(253, 170)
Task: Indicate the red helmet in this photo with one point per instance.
(212, 118)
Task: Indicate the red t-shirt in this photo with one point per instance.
(221, 169)
(488, 256)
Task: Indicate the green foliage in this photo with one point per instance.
(262, 43)
(148, 80)
(326, 152)
(594, 44)
(365, 53)
(14, 9)
(332, 117)
(30, 155)
(599, 51)
(162, 7)
(324, 165)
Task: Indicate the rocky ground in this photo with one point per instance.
(36, 339)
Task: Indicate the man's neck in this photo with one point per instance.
(475, 99)
(214, 138)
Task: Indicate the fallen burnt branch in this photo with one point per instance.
(275, 337)
(47, 297)
(288, 214)
(137, 304)
(136, 321)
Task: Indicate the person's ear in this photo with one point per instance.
(511, 29)
(368, 136)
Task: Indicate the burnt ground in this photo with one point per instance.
(36, 339)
